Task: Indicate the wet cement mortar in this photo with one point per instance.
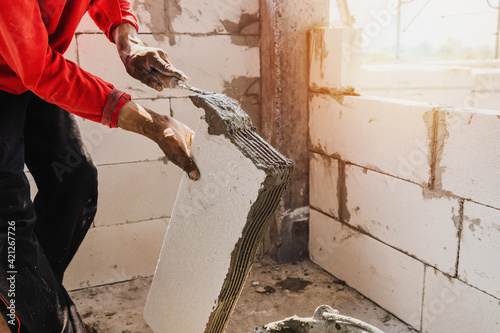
(272, 292)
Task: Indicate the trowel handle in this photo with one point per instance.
(174, 83)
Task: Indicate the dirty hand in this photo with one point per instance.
(173, 137)
(147, 64)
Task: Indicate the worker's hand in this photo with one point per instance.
(173, 137)
(147, 64)
(175, 140)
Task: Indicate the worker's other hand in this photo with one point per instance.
(149, 65)
(173, 137)
(175, 140)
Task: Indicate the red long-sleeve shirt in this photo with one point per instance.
(34, 34)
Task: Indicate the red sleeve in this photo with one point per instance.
(24, 45)
(108, 14)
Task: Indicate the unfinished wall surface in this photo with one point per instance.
(461, 84)
(284, 55)
(405, 205)
(216, 43)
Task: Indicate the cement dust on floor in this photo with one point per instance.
(272, 292)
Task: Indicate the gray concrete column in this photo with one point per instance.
(284, 73)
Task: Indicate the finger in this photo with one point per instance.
(161, 65)
(161, 77)
(180, 75)
(152, 81)
(180, 157)
(170, 69)
(189, 141)
(192, 171)
(170, 155)
(188, 165)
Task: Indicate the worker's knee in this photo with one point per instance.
(76, 167)
(86, 173)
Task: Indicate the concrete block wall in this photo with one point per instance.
(217, 45)
(405, 205)
(458, 84)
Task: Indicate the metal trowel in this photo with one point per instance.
(175, 83)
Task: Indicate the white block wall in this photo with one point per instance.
(380, 272)
(457, 84)
(216, 43)
(357, 139)
(469, 160)
(405, 203)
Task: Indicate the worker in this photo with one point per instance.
(40, 92)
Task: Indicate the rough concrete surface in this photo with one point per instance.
(284, 74)
(335, 59)
(205, 16)
(118, 308)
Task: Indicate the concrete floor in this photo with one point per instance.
(268, 296)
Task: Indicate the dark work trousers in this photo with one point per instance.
(45, 233)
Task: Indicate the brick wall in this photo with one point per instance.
(405, 200)
(217, 45)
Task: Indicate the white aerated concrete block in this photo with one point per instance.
(468, 165)
(198, 56)
(112, 146)
(486, 89)
(399, 214)
(453, 96)
(486, 80)
(480, 248)
(486, 100)
(116, 253)
(150, 15)
(184, 111)
(420, 77)
(136, 191)
(452, 306)
(426, 83)
(218, 223)
(87, 25)
(323, 180)
(205, 16)
(388, 277)
(206, 223)
(381, 134)
(335, 58)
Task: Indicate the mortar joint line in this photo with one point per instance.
(342, 192)
(423, 300)
(482, 204)
(171, 108)
(459, 234)
(422, 185)
(434, 148)
(366, 233)
(77, 50)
